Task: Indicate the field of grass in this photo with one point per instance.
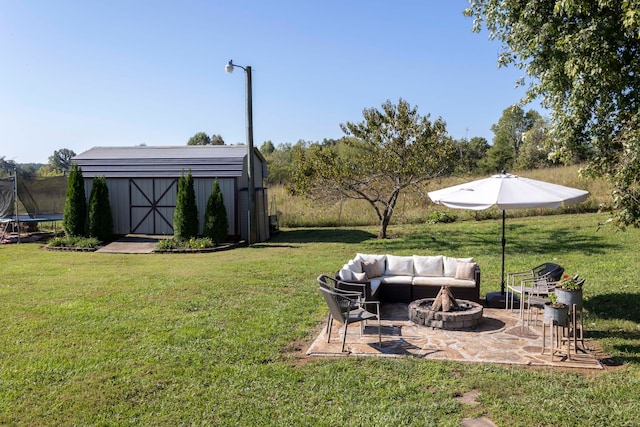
(415, 207)
(219, 338)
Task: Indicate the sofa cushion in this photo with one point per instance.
(442, 281)
(427, 265)
(465, 270)
(380, 260)
(397, 279)
(375, 284)
(372, 269)
(399, 265)
(451, 265)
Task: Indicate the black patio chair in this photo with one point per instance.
(357, 295)
(345, 309)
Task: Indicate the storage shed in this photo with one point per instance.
(143, 185)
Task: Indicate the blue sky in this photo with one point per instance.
(79, 74)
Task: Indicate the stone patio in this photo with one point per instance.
(499, 338)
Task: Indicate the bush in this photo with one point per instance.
(74, 242)
(167, 244)
(100, 219)
(57, 242)
(192, 243)
(440, 217)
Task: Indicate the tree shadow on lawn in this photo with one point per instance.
(622, 306)
(520, 239)
(628, 345)
(329, 235)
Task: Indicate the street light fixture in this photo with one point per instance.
(252, 220)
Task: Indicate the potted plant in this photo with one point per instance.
(569, 291)
(556, 312)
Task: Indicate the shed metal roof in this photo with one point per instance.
(127, 162)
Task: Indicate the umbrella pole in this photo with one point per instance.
(503, 244)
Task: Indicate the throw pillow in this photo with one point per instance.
(378, 259)
(360, 277)
(371, 269)
(465, 270)
(451, 265)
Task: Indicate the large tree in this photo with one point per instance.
(7, 166)
(391, 150)
(199, 138)
(508, 132)
(534, 151)
(217, 140)
(470, 154)
(279, 161)
(202, 138)
(61, 159)
(583, 60)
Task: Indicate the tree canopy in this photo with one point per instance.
(201, 138)
(392, 149)
(583, 58)
(508, 138)
(6, 166)
(61, 159)
(217, 140)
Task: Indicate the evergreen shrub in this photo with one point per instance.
(75, 205)
(216, 224)
(100, 219)
(185, 216)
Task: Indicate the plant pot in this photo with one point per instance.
(557, 314)
(570, 297)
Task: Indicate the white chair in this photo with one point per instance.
(513, 287)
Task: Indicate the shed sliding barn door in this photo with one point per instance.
(151, 205)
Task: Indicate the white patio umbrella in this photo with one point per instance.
(506, 191)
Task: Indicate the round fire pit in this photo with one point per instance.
(467, 315)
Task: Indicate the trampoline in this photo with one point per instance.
(53, 217)
(34, 195)
(6, 222)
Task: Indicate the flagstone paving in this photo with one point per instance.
(500, 338)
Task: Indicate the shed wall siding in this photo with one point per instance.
(119, 199)
(128, 203)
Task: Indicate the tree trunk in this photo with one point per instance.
(382, 233)
(385, 218)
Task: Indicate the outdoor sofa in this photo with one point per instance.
(392, 278)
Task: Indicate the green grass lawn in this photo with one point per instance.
(219, 338)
